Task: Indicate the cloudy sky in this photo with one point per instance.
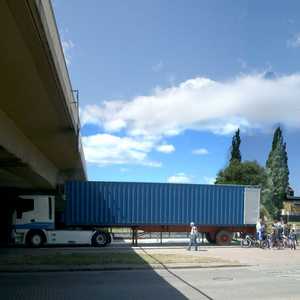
(164, 84)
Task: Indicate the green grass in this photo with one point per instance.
(73, 259)
(179, 258)
(102, 259)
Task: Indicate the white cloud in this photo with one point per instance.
(165, 148)
(294, 42)
(200, 151)
(67, 45)
(248, 102)
(107, 149)
(179, 178)
(209, 180)
(158, 67)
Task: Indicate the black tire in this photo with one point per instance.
(99, 239)
(264, 244)
(35, 239)
(256, 244)
(245, 243)
(108, 237)
(210, 237)
(224, 238)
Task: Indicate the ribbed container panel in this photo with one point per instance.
(129, 203)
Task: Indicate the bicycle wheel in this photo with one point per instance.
(264, 244)
(256, 244)
(245, 243)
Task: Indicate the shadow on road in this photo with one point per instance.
(121, 284)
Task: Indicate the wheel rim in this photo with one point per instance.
(100, 239)
(36, 240)
(224, 238)
(245, 243)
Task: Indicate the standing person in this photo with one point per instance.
(261, 233)
(293, 239)
(272, 238)
(258, 227)
(274, 235)
(280, 227)
(193, 237)
(277, 228)
(286, 229)
(285, 234)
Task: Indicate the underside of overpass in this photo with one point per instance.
(40, 145)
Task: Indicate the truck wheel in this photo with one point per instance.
(210, 237)
(35, 239)
(224, 238)
(99, 239)
(108, 238)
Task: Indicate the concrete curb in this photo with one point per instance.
(31, 269)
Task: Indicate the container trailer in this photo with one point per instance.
(92, 208)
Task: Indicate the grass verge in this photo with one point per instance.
(103, 259)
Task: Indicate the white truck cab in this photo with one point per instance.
(34, 224)
(38, 212)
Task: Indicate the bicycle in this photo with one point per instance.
(251, 241)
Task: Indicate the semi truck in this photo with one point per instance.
(92, 208)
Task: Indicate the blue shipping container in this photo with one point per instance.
(129, 203)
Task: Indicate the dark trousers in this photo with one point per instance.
(193, 242)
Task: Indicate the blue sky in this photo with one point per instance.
(164, 84)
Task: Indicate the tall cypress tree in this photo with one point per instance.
(277, 139)
(235, 147)
(286, 166)
(278, 173)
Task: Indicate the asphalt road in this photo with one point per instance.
(226, 283)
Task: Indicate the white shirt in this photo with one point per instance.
(258, 226)
(194, 230)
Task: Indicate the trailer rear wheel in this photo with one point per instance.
(99, 239)
(224, 238)
(210, 237)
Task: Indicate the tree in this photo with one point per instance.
(238, 172)
(278, 175)
(277, 139)
(235, 147)
(267, 195)
(245, 173)
(286, 167)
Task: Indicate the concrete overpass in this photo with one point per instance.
(40, 145)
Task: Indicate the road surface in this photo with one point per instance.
(225, 283)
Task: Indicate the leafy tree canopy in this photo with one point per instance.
(245, 173)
